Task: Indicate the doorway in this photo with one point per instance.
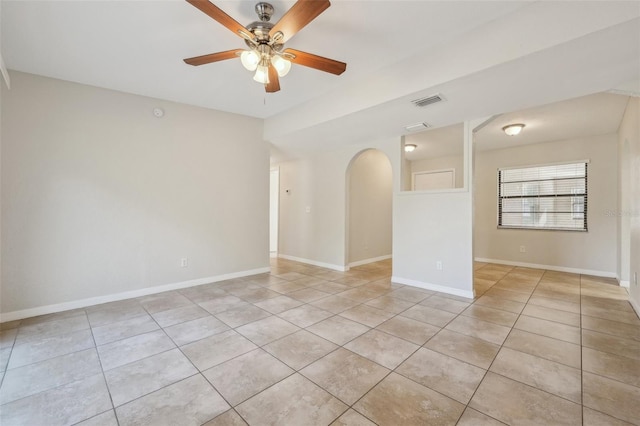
(369, 208)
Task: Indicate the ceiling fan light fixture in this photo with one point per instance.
(250, 59)
(282, 66)
(262, 74)
(513, 129)
(266, 55)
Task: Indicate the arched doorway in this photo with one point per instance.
(369, 208)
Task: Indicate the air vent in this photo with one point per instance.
(423, 102)
(416, 127)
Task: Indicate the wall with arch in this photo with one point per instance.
(428, 227)
(313, 213)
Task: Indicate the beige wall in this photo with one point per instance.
(369, 206)
(311, 223)
(629, 132)
(595, 250)
(313, 226)
(454, 162)
(100, 197)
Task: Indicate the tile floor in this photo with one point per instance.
(307, 346)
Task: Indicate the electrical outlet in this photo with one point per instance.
(184, 262)
(523, 249)
(439, 265)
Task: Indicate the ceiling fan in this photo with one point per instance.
(266, 54)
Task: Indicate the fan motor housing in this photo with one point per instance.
(260, 29)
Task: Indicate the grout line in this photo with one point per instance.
(367, 276)
(159, 389)
(96, 415)
(104, 377)
(537, 389)
(6, 366)
(500, 348)
(360, 303)
(162, 387)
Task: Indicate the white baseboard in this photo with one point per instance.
(625, 284)
(595, 273)
(83, 303)
(370, 260)
(435, 287)
(340, 268)
(273, 254)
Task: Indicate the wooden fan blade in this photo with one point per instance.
(213, 57)
(296, 18)
(315, 61)
(274, 81)
(216, 13)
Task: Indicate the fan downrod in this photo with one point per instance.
(264, 11)
(260, 29)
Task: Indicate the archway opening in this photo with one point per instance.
(369, 209)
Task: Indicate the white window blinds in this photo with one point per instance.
(543, 197)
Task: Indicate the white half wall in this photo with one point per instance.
(629, 131)
(623, 215)
(369, 207)
(432, 229)
(595, 250)
(100, 197)
(1, 101)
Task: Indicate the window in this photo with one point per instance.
(543, 197)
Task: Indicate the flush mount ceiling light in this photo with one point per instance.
(513, 129)
(266, 54)
(410, 147)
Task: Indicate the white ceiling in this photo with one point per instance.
(138, 46)
(486, 57)
(597, 114)
(441, 142)
(592, 115)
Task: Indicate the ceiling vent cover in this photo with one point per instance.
(423, 102)
(416, 127)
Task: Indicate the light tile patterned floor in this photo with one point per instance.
(308, 346)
